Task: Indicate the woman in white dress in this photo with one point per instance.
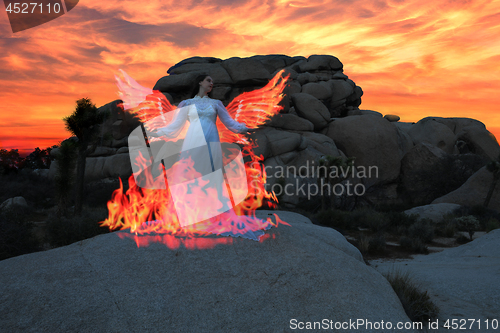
(202, 142)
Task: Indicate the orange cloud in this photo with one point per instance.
(414, 59)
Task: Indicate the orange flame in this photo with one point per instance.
(152, 211)
(254, 108)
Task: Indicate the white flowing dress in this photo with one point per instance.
(202, 128)
(202, 145)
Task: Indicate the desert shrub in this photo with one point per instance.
(423, 230)
(363, 243)
(16, 232)
(449, 229)
(446, 227)
(63, 180)
(335, 218)
(401, 230)
(66, 230)
(468, 223)
(360, 217)
(397, 219)
(405, 242)
(482, 214)
(378, 222)
(394, 207)
(370, 244)
(369, 218)
(415, 245)
(492, 224)
(416, 303)
(376, 245)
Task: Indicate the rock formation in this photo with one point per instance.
(414, 163)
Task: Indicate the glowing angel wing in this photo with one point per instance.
(143, 102)
(254, 108)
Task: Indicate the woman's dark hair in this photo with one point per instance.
(196, 84)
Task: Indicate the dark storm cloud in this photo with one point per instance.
(365, 13)
(228, 3)
(380, 5)
(90, 53)
(9, 43)
(122, 31)
(303, 13)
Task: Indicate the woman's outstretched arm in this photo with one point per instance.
(229, 122)
(174, 128)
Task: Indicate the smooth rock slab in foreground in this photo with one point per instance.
(461, 281)
(107, 284)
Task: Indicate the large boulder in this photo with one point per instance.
(304, 78)
(354, 99)
(103, 151)
(272, 62)
(341, 89)
(456, 124)
(292, 87)
(319, 62)
(373, 141)
(176, 83)
(216, 71)
(310, 108)
(194, 60)
(471, 136)
(262, 146)
(404, 126)
(434, 212)
(16, 201)
(113, 166)
(479, 141)
(300, 273)
(405, 142)
(321, 142)
(246, 71)
(320, 90)
(291, 122)
(281, 142)
(427, 172)
(473, 191)
(417, 168)
(109, 167)
(433, 132)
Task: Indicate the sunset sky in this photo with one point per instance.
(411, 58)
